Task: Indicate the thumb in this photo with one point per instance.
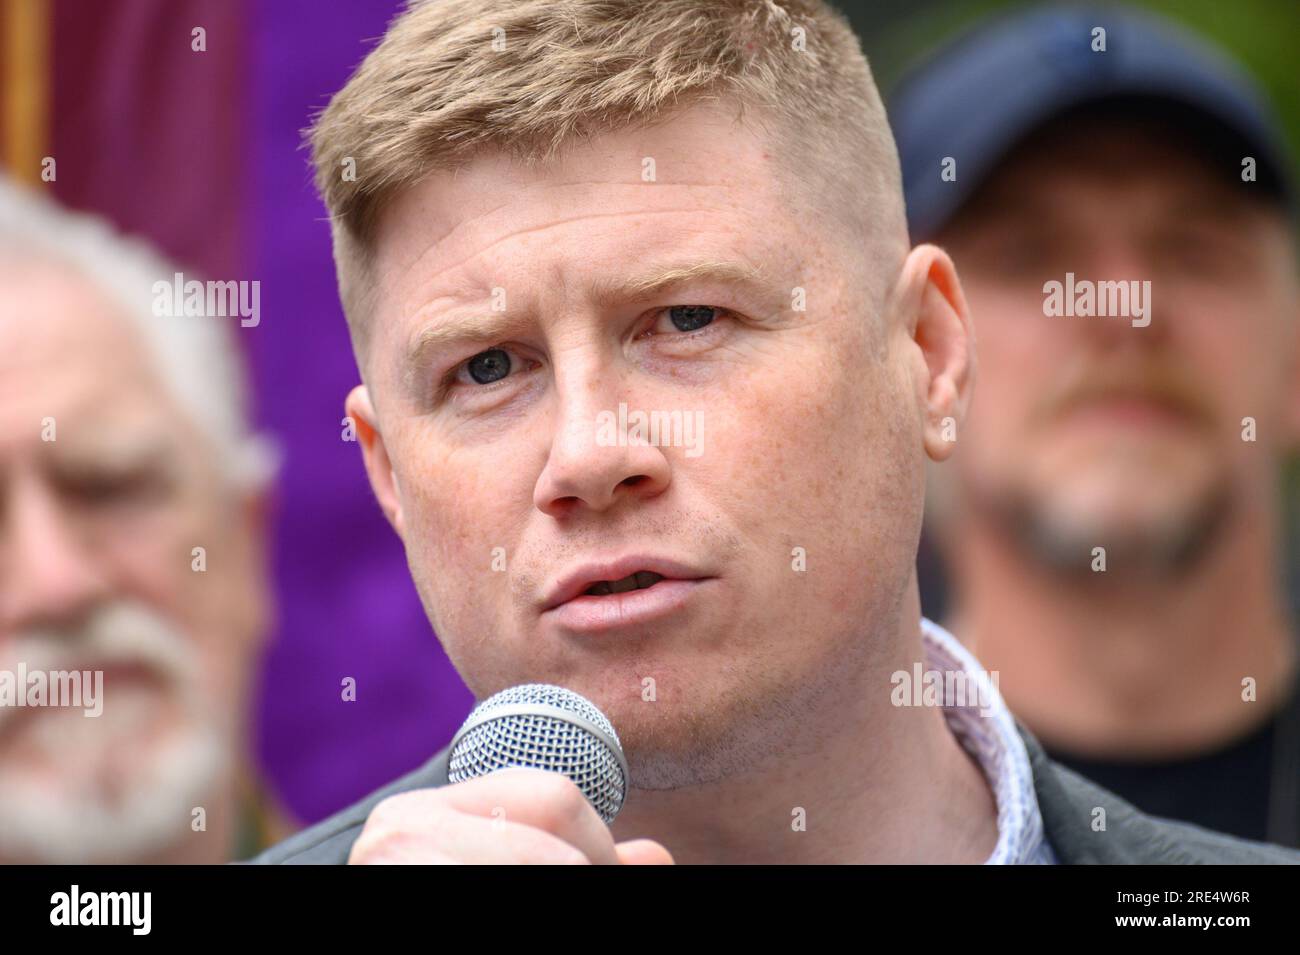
(643, 852)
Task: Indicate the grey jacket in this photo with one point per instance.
(1066, 800)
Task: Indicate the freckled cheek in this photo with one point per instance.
(821, 457)
(785, 443)
(456, 512)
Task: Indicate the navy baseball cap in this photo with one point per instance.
(986, 92)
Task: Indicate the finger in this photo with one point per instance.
(643, 852)
(449, 836)
(544, 800)
(481, 841)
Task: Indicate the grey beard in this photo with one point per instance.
(1172, 550)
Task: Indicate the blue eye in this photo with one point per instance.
(688, 318)
(489, 366)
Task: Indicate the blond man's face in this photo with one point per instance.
(794, 501)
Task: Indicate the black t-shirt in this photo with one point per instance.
(1249, 788)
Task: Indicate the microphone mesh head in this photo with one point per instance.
(544, 727)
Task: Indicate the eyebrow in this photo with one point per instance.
(658, 280)
(123, 453)
(494, 326)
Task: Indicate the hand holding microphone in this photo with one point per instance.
(536, 776)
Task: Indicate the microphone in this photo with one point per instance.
(540, 726)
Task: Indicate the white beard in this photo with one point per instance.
(74, 802)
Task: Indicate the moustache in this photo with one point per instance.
(1160, 383)
(123, 633)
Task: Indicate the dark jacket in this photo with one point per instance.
(1066, 800)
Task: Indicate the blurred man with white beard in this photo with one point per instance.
(131, 547)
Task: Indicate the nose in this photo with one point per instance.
(593, 463)
(49, 577)
(1137, 275)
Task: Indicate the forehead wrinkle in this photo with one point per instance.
(433, 246)
(462, 262)
(519, 186)
(528, 230)
(568, 185)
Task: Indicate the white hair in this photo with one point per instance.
(196, 356)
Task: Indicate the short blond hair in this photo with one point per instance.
(454, 78)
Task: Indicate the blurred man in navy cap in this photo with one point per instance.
(1118, 204)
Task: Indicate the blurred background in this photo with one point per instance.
(200, 152)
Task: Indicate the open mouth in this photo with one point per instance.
(620, 579)
(638, 581)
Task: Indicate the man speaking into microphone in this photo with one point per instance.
(556, 221)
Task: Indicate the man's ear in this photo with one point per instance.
(379, 469)
(939, 324)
